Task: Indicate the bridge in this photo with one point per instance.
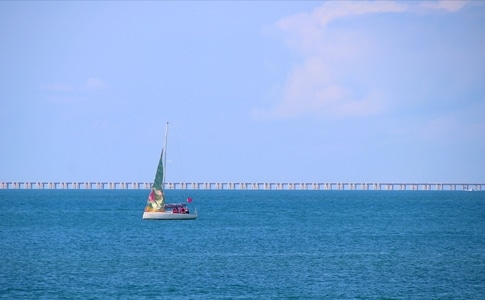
(340, 186)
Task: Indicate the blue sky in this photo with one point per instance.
(256, 91)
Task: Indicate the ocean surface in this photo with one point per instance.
(93, 244)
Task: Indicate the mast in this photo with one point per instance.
(165, 156)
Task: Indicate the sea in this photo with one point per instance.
(288, 244)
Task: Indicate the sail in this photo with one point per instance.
(156, 198)
(158, 182)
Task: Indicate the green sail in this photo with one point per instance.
(156, 197)
(157, 184)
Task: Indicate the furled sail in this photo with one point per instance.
(156, 197)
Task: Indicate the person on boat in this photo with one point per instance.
(175, 210)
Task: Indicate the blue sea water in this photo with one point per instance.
(93, 244)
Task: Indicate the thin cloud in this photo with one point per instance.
(91, 85)
(308, 29)
(319, 86)
(69, 94)
(449, 6)
(94, 84)
(57, 88)
(61, 93)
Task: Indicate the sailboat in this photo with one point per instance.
(156, 208)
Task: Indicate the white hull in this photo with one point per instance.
(168, 215)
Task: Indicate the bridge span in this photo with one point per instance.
(340, 186)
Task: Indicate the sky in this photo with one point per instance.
(255, 91)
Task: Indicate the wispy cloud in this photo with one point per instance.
(91, 85)
(68, 93)
(319, 84)
(57, 87)
(307, 31)
(450, 6)
(94, 84)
